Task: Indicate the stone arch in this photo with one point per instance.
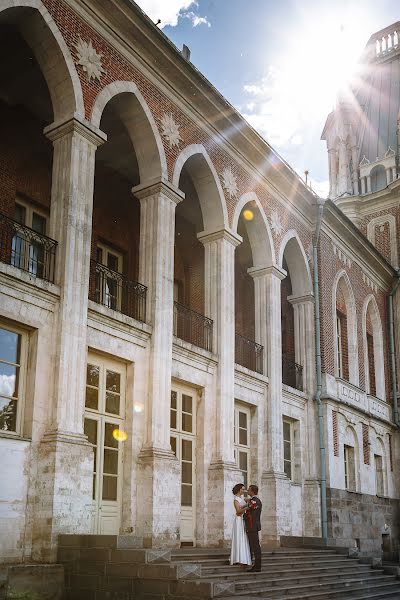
(342, 280)
(40, 32)
(208, 186)
(380, 450)
(300, 274)
(370, 308)
(258, 231)
(378, 178)
(140, 124)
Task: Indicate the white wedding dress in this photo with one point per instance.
(240, 552)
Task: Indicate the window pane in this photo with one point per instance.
(112, 262)
(186, 450)
(92, 375)
(243, 437)
(187, 422)
(173, 399)
(99, 255)
(110, 462)
(109, 439)
(286, 430)
(113, 381)
(288, 469)
(186, 495)
(187, 404)
(91, 430)
(173, 419)
(172, 441)
(112, 403)
(9, 376)
(243, 420)
(38, 223)
(10, 346)
(109, 487)
(92, 399)
(243, 461)
(186, 472)
(8, 414)
(20, 214)
(286, 451)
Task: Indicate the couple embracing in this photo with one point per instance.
(246, 525)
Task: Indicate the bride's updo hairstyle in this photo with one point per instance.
(237, 488)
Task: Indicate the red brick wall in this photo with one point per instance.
(287, 316)
(189, 265)
(25, 159)
(335, 433)
(366, 452)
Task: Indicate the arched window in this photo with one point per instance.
(345, 330)
(380, 468)
(378, 178)
(374, 364)
(351, 460)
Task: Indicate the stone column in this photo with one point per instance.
(363, 185)
(303, 308)
(275, 486)
(343, 168)
(354, 157)
(159, 475)
(332, 172)
(369, 187)
(65, 459)
(220, 306)
(260, 299)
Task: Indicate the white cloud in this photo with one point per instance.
(7, 385)
(169, 11)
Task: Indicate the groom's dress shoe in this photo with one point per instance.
(254, 570)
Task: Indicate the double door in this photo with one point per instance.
(104, 426)
(183, 444)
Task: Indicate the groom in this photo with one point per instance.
(253, 526)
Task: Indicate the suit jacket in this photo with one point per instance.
(252, 517)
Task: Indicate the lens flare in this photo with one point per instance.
(119, 435)
(248, 214)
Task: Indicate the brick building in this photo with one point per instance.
(157, 326)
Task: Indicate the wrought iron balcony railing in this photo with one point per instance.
(26, 249)
(193, 327)
(249, 354)
(292, 373)
(116, 291)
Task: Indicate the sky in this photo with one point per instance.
(280, 63)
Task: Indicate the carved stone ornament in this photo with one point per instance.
(276, 223)
(364, 161)
(170, 130)
(229, 182)
(389, 152)
(89, 59)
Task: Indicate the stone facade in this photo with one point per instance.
(157, 305)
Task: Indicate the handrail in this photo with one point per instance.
(292, 373)
(193, 327)
(249, 354)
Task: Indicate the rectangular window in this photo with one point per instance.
(108, 284)
(28, 253)
(349, 469)
(12, 371)
(288, 448)
(342, 346)
(380, 490)
(242, 441)
(371, 364)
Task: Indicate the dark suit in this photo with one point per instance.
(253, 526)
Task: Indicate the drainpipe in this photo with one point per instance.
(318, 368)
(392, 349)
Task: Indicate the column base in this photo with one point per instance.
(158, 508)
(63, 496)
(276, 512)
(312, 508)
(222, 476)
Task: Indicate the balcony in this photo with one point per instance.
(24, 248)
(192, 327)
(249, 354)
(292, 373)
(117, 292)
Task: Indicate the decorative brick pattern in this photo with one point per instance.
(335, 433)
(390, 452)
(366, 452)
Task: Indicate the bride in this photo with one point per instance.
(240, 552)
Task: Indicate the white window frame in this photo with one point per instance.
(379, 479)
(29, 210)
(289, 442)
(19, 428)
(239, 448)
(106, 250)
(25, 258)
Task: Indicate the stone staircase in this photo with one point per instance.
(109, 568)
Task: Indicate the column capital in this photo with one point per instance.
(273, 270)
(304, 299)
(59, 129)
(206, 237)
(156, 187)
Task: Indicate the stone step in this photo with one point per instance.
(260, 579)
(221, 558)
(271, 567)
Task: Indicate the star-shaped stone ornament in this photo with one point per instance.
(229, 182)
(276, 223)
(170, 130)
(89, 59)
